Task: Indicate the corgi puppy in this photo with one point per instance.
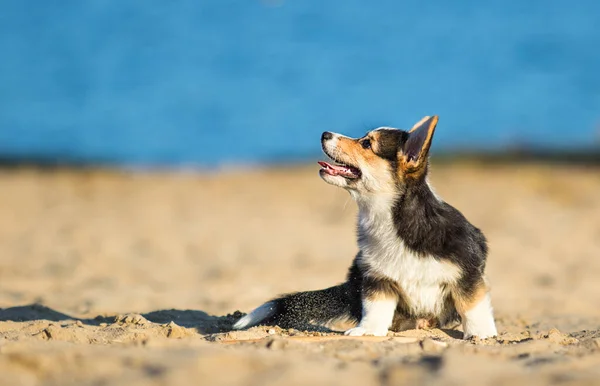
(420, 264)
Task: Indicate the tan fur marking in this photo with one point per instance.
(373, 136)
(347, 150)
(379, 288)
(381, 295)
(352, 149)
(464, 303)
(418, 124)
(426, 324)
(416, 168)
(374, 168)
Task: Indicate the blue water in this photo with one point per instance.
(205, 82)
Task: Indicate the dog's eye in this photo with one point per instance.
(366, 144)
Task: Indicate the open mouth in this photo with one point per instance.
(345, 171)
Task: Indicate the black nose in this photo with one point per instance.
(326, 135)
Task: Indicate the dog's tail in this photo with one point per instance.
(302, 309)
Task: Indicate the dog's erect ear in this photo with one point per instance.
(414, 153)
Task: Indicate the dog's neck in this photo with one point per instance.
(379, 215)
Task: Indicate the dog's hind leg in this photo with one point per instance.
(476, 312)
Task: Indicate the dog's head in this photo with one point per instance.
(384, 161)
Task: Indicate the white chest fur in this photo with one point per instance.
(423, 279)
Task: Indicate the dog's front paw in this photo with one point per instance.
(362, 331)
(481, 331)
(479, 321)
(482, 334)
(356, 331)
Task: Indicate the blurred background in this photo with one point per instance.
(137, 91)
(166, 124)
(208, 83)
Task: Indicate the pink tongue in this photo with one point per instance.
(336, 169)
(326, 165)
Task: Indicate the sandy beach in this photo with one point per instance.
(110, 278)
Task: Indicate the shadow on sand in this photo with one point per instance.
(198, 320)
(202, 322)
